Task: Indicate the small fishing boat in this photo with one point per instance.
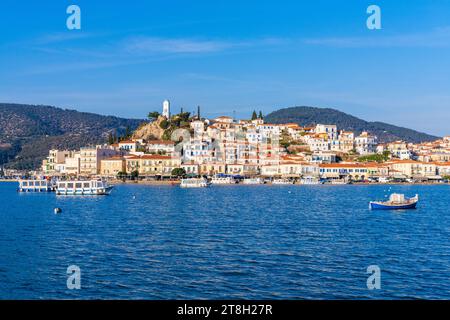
(396, 201)
(194, 183)
(83, 187)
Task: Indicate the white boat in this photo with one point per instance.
(223, 180)
(338, 181)
(253, 181)
(310, 180)
(35, 185)
(83, 187)
(282, 181)
(194, 183)
(383, 180)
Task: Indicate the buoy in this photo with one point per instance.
(134, 197)
(57, 210)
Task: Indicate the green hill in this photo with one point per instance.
(27, 132)
(306, 116)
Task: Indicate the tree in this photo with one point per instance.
(260, 116)
(153, 115)
(198, 112)
(184, 116)
(254, 115)
(127, 133)
(178, 172)
(2, 173)
(164, 124)
(110, 139)
(134, 174)
(121, 175)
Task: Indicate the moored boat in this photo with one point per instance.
(83, 187)
(310, 180)
(194, 183)
(396, 201)
(35, 185)
(218, 179)
(253, 181)
(282, 181)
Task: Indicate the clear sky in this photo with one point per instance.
(231, 56)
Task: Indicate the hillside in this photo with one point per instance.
(305, 116)
(27, 132)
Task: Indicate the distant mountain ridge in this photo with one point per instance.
(385, 132)
(27, 132)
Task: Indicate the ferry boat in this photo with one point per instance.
(396, 201)
(35, 185)
(282, 181)
(194, 183)
(223, 180)
(83, 187)
(253, 181)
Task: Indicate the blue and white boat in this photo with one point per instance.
(35, 185)
(83, 187)
(396, 202)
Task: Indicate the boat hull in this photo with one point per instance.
(381, 206)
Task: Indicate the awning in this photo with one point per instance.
(399, 176)
(434, 177)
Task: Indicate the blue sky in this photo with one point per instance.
(231, 56)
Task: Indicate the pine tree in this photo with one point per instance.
(260, 116)
(110, 139)
(198, 112)
(127, 132)
(254, 115)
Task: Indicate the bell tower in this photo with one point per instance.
(166, 109)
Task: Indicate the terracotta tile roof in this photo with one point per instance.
(161, 142)
(343, 165)
(155, 157)
(115, 158)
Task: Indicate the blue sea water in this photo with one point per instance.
(227, 242)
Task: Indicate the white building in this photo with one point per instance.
(365, 143)
(160, 146)
(166, 109)
(329, 129)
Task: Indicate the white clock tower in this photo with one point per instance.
(166, 109)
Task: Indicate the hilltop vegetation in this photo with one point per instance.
(27, 132)
(306, 116)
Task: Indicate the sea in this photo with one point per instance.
(225, 242)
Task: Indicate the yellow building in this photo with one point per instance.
(411, 168)
(212, 168)
(112, 166)
(157, 165)
(152, 165)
